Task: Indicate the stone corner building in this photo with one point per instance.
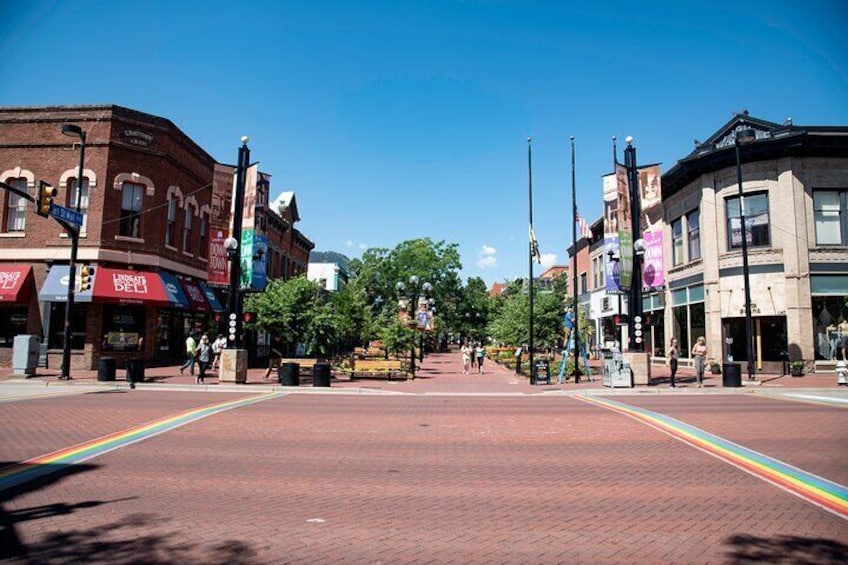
(150, 197)
(795, 181)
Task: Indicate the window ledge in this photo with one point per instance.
(187, 254)
(170, 247)
(64, 235)
(13, 234)
(204, 259)
(129, 239)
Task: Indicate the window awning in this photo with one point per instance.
(211, 298)
(195, 296)
(130, 287)
(176, 296)
(15, 285)
(55, 287)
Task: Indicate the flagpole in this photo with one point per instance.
(530, 254)
(575, 331)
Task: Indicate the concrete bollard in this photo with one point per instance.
(841, 373)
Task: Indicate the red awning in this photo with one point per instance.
(129, 287)
(15, 283)
(195, 296)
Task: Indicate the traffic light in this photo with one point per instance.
(620, 319)
(46, 194)
(86, 275)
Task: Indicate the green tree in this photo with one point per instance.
(379, 270)
(292, 310)
(510, 321)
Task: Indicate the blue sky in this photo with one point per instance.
(397, 120)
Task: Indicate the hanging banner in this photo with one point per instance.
(217, 271)
(611, 276)
(254, 239)
(650, 220)
(625, 228)
(220, 226)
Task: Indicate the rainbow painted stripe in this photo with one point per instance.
(828, 495)
(52, 462)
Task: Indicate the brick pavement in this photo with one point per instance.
(447, 366)
(440, 475)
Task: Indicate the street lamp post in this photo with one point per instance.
(427, 288)
(635, 341)
(745, 136)
(72, 130)
(575, 330)
(531, 254)
(233, 246)
(412, 295)
(234, 357)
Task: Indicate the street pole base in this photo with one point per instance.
(640, 364)
(233, 367)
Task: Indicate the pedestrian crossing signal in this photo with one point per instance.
(46, 194)
(621, 319)
(86, 275)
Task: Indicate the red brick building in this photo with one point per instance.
(147, 199)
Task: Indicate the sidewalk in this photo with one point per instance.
(439, 373)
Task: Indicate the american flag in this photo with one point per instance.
(585, 230)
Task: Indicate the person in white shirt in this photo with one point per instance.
(217, 346)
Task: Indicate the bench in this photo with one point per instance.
(306, 364)
(378, 368)
(371, 352)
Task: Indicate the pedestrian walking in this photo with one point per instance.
(204, 356)
(191, 347)
(274, 356)
(480, 354)
(671, 358)
(699, 354)
(217, 347)
(466, 357)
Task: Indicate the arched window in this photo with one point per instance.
(171, 227)
(187, 227)
(15, 220)
(75, 193)
(131, 202)
(204, 231)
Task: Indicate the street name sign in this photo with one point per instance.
(66, 214)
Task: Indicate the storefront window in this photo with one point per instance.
(697, 321)
(123, 328)
(655, 333)
(829, 320)
(56, 337)
(680, 328)
(13, 321)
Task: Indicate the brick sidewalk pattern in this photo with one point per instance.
(448, 468)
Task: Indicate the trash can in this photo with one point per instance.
(731, 375)
(321, 374)
(106, 369)
(135, 370)
(289, 374)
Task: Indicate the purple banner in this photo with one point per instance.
(653, 275)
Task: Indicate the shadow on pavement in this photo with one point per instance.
(119, 543)
(786, 549)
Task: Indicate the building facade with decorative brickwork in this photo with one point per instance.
(150, 197)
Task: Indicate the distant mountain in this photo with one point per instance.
(329, 257)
